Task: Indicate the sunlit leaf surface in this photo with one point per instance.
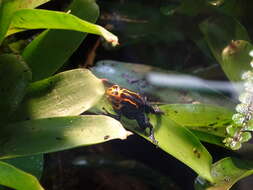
(43, 19)
(8, 8)
(51, 43)
(59, 133)
(17, 179)
(68, 93)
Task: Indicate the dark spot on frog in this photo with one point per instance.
(175, 111)
(106, 137)
(217, 118)
(59, 138)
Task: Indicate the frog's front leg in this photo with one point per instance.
(144, 123)
(115, 116)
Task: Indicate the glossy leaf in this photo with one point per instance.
(179, 142)
(43, 19)
(135, 77)
(14, 78)
(202, 117)
(224, 35)
(58, 42)
(209, 138)
(7, 8)
(58, 133)
(236, 59)
(29, 164)
(68, 93)
(226, 173)
(17, 179)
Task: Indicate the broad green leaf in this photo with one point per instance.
(177, 141)
(180, 143)
(68, 93)
(7, 8)
(14, 78)
(236, 59)
(58, 133)
(202, 117)
(222, 35)
(17, 179)
(136, 77)
(43, 19)
(58, 45)
(29, 164)
(209, 138)
(226, 173)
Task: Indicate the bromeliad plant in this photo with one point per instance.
(40, 113)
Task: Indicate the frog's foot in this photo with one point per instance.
(152, 137)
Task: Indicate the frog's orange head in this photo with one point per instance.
(114, 92)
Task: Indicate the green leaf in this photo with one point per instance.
(43, 19)
(29, 164)
(58, 133)
(236, 59)
(202, 117)
(68, 93)
(17, 179)
(58, 42)
(182, 144)
(177, 141)
(14, 78)
(223, 35)
(8, 8)
(209, 138)
(136, 77)
(226, 173)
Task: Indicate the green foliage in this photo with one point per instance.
(15, 76)
(22, 100)
(61, 95)
(58, 133)
(43, 116)
(50, 43)
(226, 173)
(17, 179)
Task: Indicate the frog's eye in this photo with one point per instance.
(115, 93)
(115, 86)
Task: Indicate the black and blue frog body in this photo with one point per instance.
(133, 106)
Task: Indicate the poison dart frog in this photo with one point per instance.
(133, 106)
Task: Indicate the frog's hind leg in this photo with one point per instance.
(144, 123)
